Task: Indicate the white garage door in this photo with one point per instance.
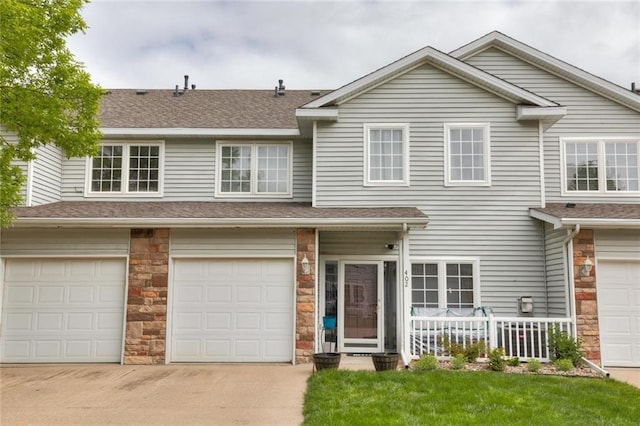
(619, 312)
(232, 310)
(61, 310)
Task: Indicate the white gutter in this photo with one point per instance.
(191, 132)
(285, 222)
(314, 164)
(593, 366)
(330, 114)
(568, 242)
(568, 222)
(552, 113)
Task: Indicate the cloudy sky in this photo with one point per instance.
(324, 45)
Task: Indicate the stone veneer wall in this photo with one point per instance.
(586, 296)
(305, 296)
(147, 297)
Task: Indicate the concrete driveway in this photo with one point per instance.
(158, 395)
(629, 375)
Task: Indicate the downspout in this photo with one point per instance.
(568, 242)
(29, 190)
(405, 350)
(543, 196)
(314, 162)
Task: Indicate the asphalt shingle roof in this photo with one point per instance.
(591, 211)
(239, 109)
(209, 210)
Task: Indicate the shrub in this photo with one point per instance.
(450, 348)
(474, 349)
(458, 362)
(564, 346)
(513, 362)
(496, 360)
(533, 366)
(426, 363)
(563, 364)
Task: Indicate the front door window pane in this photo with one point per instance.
(361, 301)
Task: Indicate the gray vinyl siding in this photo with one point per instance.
(64, 242)
(623, 244)
(589, 114)
(24, 167)
(233, 242)
(357, 243)
(491, 223)
(556, 270)
(47, 176)
(189, 174)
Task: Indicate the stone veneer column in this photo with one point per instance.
(305, 296)
(147, 297)
(586, 297)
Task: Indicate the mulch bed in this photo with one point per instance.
(545, 369)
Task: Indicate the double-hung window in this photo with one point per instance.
(131, 168)
(254, 169)
(467, 154)
(600, 166)
(440, 283)
(386, 152)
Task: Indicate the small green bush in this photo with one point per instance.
(564, 346)
(496, 360)
(513, 362)
(474, 349)
(533, 366)
(458, 362)
(426, 363)
(450, 348)
(563, 364)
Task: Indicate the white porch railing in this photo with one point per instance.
(520, 337)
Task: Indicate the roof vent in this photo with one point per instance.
(633, 88)
(178, 92)
(141, 92)
(570, 205)
(279, 91)
(315, 93)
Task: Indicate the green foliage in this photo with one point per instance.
(471, 349)
(426, 363)
(534, 365)
(496, 360)
(46, 97)
(513, 362)
(564, 346)
(442, 397)
(458, 362)
(563, 364)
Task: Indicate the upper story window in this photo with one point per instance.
(600, 166)
(254, 169)
(451, 283)
(386, 148)
(129, 168)
(467, 154)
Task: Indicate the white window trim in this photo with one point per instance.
(88, 193)
(486, 158)
(602, 177)
(367, 127)
(254, 165)
(442, 277)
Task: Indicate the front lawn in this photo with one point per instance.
(339, 397)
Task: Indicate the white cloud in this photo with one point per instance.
(328, 44)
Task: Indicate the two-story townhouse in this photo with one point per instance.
(222, 225)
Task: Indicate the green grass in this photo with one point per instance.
(338, 397)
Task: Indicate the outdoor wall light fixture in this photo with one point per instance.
(306, 267)
(586, 268)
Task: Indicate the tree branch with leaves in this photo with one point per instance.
(46, 96)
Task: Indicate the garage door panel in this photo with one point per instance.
(618, 285)
(247, 307)
(63, 310)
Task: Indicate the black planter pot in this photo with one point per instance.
(385, 361)
(326, 360)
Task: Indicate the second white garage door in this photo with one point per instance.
(232, 310)
(619, 312)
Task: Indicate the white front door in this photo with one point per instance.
(360, 306)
